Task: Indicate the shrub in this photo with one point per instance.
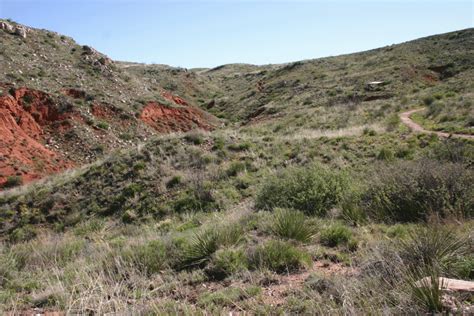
(240, 147)
(174, 181)
(235, 168)
(385, 154)
(393, 121)
(311, 190)
(413, 190)
(335, 235)
(428, 100)
(291, 224)
(194, 137)
(278, 256)
(13, 181)
(129, 216)
(27, 99)
(103, 125)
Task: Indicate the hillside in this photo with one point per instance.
(93, 106)
(270, 189)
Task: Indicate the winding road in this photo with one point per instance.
(405, 118)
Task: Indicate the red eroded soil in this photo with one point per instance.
(23, 118)
(167, 119)
(173, 98)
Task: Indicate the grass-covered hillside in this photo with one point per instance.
(298, 191)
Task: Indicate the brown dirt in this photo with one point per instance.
(166, 119)
(275, 294)
(405, 118)
(23, 117)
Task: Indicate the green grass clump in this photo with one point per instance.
(291, 224)
(149, 257)
(313, 190)
(228, 261)
(335, 235)
(229, 296)
(278, 256)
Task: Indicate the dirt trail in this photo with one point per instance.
(405, 118)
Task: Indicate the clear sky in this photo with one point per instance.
(210, 33)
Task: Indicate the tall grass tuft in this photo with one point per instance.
(291, 224)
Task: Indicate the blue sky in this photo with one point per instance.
(210, 33)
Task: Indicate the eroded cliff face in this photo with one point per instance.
(165, 119)
(34, 129)
(23, 118)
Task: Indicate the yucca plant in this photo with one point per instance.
(200, 248)
(291, 224)
(426, 288)
(205, 243)
(434, 247)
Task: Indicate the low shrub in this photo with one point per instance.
(194, 137)
(278, 256)
(13, 181)
(335, 235)
(411, 191)
(174, 181)
(313, 190)
(385, 154)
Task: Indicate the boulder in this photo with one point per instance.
(6, 27)
(20, 31)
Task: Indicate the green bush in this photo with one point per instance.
(335, 235)
(411, 191)
(194, 137)
(428, 100)
(312, 190)
(240, 147)
(174, 181)
(385, 154)
(291, 224)
(13, 181)
(278, 256)
(235, 168)
(103, 125)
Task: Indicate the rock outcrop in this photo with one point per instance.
(19, 30)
